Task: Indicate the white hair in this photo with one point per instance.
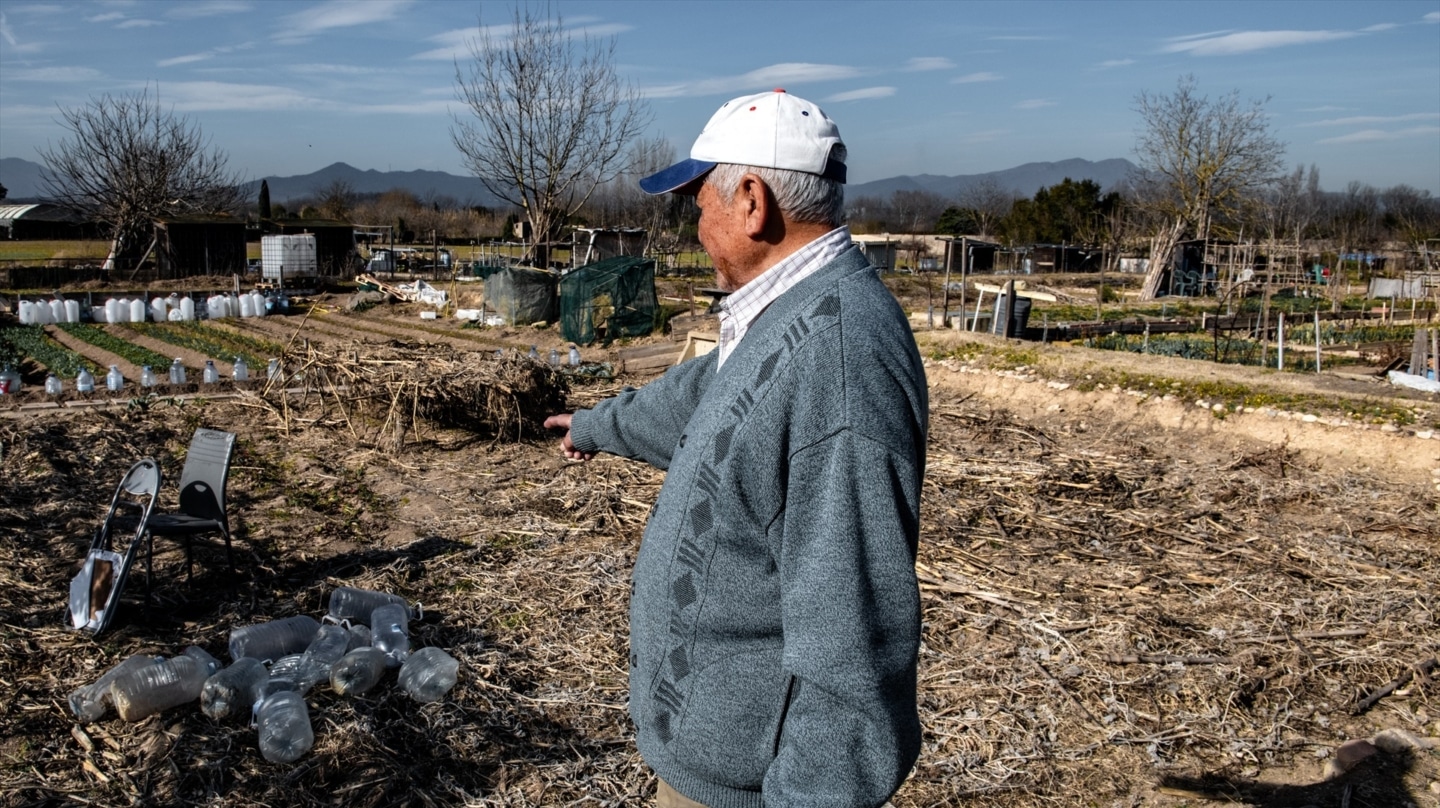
(801, 196)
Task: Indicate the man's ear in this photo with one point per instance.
(755, 198)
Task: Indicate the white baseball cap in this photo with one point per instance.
(769, 130)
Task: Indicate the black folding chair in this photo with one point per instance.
(202, 501)
(95, 590)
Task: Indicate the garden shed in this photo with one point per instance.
(199, 245)
(608, 299)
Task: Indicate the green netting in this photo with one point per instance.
(613, 298)
(522, 295)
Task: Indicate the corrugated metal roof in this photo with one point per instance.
(9, 213)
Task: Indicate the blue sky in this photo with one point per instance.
(917, 87)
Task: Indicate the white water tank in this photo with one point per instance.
(285, 257)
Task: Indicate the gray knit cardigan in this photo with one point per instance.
(775, 613)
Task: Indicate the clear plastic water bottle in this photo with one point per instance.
(274, 639)
(210, 375)
(574, 356)
(534, 353)
(330, 644)
(428, 674)
(212, 665)
(554, 358)
(114, 380)
(53, 385)
(358, 671)
(9, 381)
(285, 733)
(291, 671)
(354, 604)
(84, 382)
(148, 690)
(89, 702)
(242, 371)
(359, 637)
(499, 353)
(390, 632)
(272, 370)
(147, 377)
(177, 372)
(234, 690)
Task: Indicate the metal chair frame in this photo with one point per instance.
(132, 503)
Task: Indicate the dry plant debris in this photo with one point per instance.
(1108, 618)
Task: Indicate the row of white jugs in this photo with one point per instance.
(124, 310)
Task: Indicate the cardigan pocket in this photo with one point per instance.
(731, 718)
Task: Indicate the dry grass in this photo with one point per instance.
(1108, 619)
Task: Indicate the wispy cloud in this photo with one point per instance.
(922, 63)
(139, 24)
(1328, 108)
(777, 75)
(1034, 103)
(1384, 26)
(451, 45)
(6, 31)
(340, 70)
(862, 94)
(55, 74)
(1363, 120)
(188, 58)
(1226, 44)
(1109, 63)
(195, 96)
(302, 25)
(1433, 16)
(1021, 38)
(976, 78)
(413, 108)
(196, 9)
(1373, 135)
(109, 16)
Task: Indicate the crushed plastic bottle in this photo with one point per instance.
(234, 690)
(290, 670)
(148, 690)
(359, 636)
(114, 380)
(177, 372)
(428, 674)
(272, 370)
(241, 371)
(534, 353)
(275, 639)
(329, 645)
(147, 377)
(390, 632)
(88, 702)
(358, 671)
(285, 733)
(209, 375)
(574, 356)
(53, 385)
(354, 604)
(84, 382)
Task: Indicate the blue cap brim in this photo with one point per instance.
(677, 176)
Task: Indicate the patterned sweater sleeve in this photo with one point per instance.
(646, 423)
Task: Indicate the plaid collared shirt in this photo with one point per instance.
(739, 310)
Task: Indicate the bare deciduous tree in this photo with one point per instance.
(549, 120)
(988, 202)
(1207, 155)
(336, 200)
(127, 161)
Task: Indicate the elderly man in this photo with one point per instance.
(774, 621)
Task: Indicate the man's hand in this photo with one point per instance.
(567, 447)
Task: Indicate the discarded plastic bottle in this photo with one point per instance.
(574, 356)
(242, 370)
(356, 605)
(359, 637)
(88, 702)
(291, 671)
(84, 382)
(390, 632)
(148, 690)
(177, 372)
(212, 665)
(147, 377)
(285, 733)
(114, 380)
(275, 639)
(534, 353)
(428, 674)
(53, 385)
(272, 370)
(9, 381)
(210, 375)
(358, 671)
(329, 645)
(554, 358)
(499, 353)
(234, 690)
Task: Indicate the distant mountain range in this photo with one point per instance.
(21, 178)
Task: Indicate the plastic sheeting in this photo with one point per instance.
(522, 295)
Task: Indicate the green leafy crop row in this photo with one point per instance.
(31, 341)
(128, 351)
